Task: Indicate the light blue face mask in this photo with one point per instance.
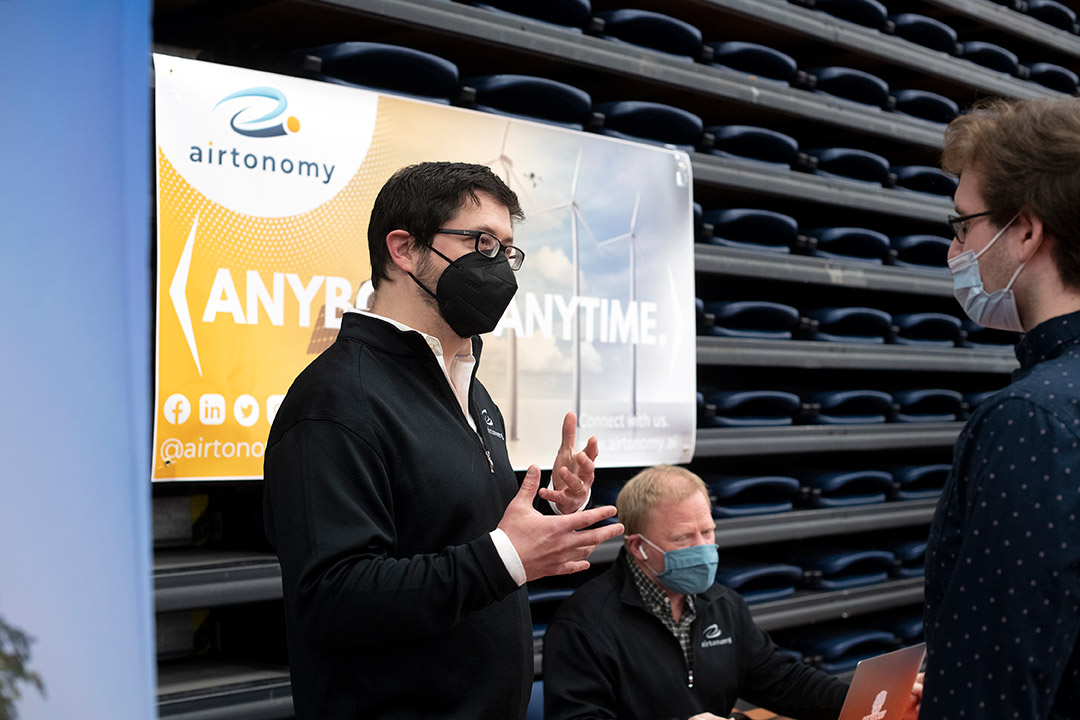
(687, 570)
(990, 310)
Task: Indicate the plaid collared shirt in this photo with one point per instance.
(658, 603)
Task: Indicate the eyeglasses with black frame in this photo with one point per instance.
(489, 246)
(959, 224)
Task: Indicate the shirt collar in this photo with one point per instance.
(1048, 339)
(654, 597)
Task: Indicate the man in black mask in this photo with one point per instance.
(404, 536)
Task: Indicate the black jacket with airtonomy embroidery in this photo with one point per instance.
(606, 656)
(379, 499)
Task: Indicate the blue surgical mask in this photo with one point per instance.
(687, 570)
(990, 310)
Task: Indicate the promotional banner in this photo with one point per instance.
(265, 185)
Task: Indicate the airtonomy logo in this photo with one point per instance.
(250, 102)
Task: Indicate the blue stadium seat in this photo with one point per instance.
(651, 122)
(851, 84)
(833, 568)
(926, 105)
(739, 496)
(570, 13)
(393, 68)
(1053, 13)
(747, 408)
(754, 143)
(932, 405)
(542, 606)
(920, 482)
(848, 243)
(975, 399)
(906, 625)
(1017, 5)
(935, 329)
(925, 179)
(536, 702)
(752, 319)
(851, 325)
(652, 30)
(839, 649)
(847, 488)
(925, 31)
(910, 557)
(852, 407)
(852, 164)
(754, 59)
(992, 56)
(752, 229)
(921, 250)
(533, 98)
(706, 412)
(760, 582)
(869, 13)
(1054, 77)
(977, 336)
(703, 231)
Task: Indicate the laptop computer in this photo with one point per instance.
(881, 686)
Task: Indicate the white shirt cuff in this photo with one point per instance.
(556, 507)
(509, 556)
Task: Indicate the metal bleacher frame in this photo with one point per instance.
(199, 578)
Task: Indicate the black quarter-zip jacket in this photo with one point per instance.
(379, 499)
(606, 656)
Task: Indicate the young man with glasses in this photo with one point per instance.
(1002, 614)
(404, 536)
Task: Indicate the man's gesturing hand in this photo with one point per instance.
(572, 474)
(553, 544)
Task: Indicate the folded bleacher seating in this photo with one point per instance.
(1054, 77)
(760, 582)
(703, 231)
(393, 68)
(910, 557)
(739, 496)
(906, 625)
(852, 407)
(853, 164)
(847, 488)
(849, 243)
(532, 98)
(651, 122)
(652, 30)
(934, 329)
(704, 320)
(921, 250)
(919, 482)
(1017, 5)
(752, 229)
(542, 606)
(925, 31)
(569, 13)
(851, 84)
(925, 179)
(749, 408)
(931, 405)
(535, 711)
(756, 143)
(992, 56)
(755, 59)
(868, 13)
(977, 336)
(832, 568)
(926, 105)
(1053, 13)
(838, 648)
(752, 319)
(851, 325)
(706, 414)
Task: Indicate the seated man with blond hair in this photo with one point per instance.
(654, 638)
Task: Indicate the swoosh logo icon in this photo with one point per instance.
(178, 294)
(713, 631)
(243, 127)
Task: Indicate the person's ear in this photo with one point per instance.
(1031, 234)
(402, 248)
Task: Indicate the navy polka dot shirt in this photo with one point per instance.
(1003, 562)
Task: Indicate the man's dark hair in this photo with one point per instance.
(422, 198)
